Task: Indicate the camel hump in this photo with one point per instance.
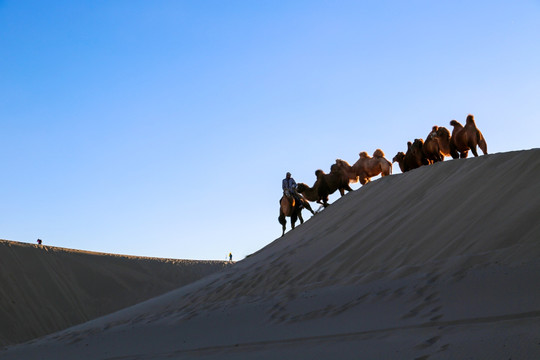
(378, 153)
(455, 123)
(364, 154)
(470, 119)
(442, 131)
(319, 172)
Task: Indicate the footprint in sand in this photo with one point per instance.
(428, 343)
(398, 292)
(427, 301)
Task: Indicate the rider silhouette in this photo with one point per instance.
(289, 187)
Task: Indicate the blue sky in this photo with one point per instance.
(164, 128)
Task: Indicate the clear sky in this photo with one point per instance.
(164, 128)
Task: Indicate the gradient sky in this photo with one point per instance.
(164, 128)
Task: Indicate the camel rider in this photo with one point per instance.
(289, 187)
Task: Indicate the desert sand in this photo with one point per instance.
(442, 262)
(46, 288)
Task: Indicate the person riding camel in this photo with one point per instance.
(289, 188)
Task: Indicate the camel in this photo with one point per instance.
(310, 193)
(289, 206)
(465, 138)
(414, 158)
(325, 185)
(400, 159)
(366, 167)
(415, 155)
(443, 137)
(431, 148)
(437, 144)
(345, 171)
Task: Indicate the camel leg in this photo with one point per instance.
(293, 220)
(325, 201)
(440, 157)
(453, 151)
(283, 223)
(473, 149)
(482, 145)
(464, 154)
(300, 218)
(308, 207)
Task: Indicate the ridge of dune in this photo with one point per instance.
(441, 262)
(46, 288)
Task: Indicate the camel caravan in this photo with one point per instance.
(438, 144)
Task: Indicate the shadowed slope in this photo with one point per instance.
(46, 289)
(441, 261)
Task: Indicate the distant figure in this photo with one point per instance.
(230, 256)
(39, 241)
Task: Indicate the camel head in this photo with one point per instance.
(301, 187)
(399, 157)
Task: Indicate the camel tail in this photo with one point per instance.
(386, 170)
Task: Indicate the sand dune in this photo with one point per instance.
(46, 289)
(442, 262)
